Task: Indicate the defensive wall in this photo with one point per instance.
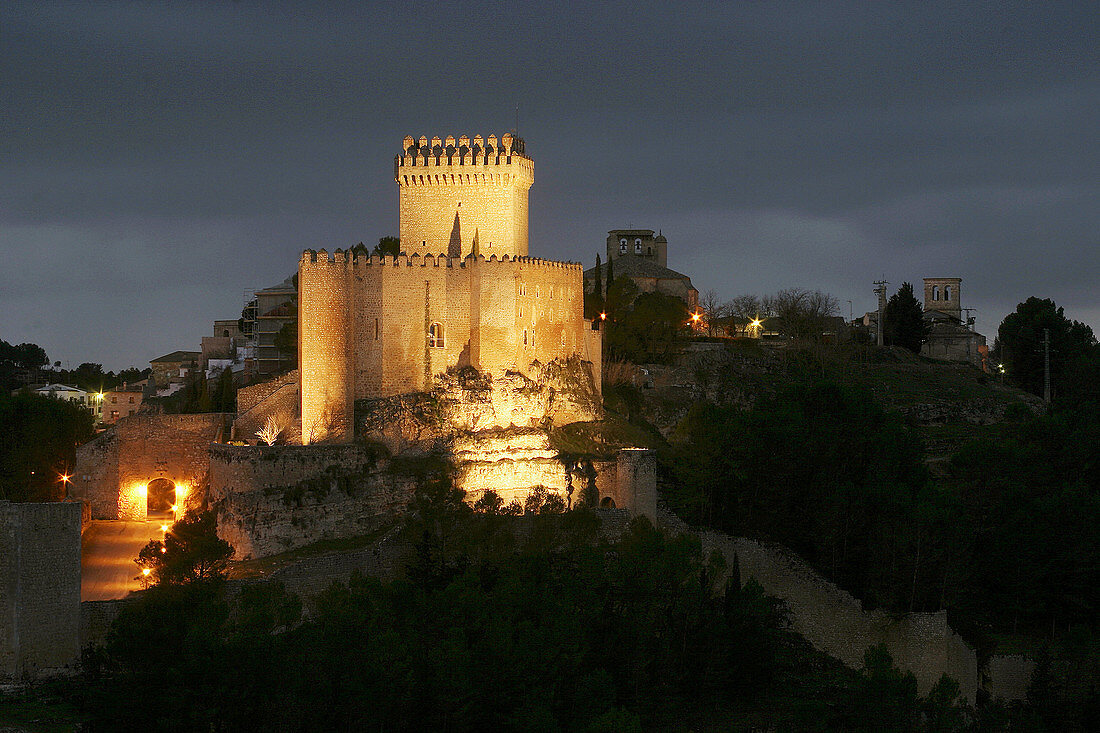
(453, 193)
(278, 398)
(112, 471)
(834, 622)
(373, 327)
(270, 499)
(39, 588)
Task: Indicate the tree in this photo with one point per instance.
(593, 299)
(742, 310)
(803, 314)
(714, 310)
(905, 324)
(286, 341)
(38, 440)
(1020, 347)
(387, 247)
(190, 552)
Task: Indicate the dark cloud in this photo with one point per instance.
(158, 159)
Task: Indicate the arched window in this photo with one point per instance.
(947, 292)
(637, 246)
(435, 336)
(622, 246)
(935, 292)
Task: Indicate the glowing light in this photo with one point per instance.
(142, 490)
(181, 491)
(695, 317)
(175, 507)
(164, 549)
(164, 528)
(65, 478)
(756, 323)
(146, 571)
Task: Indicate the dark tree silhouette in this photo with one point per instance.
(1019, 343)
(905, 324)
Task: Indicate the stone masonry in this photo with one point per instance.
(112, 470)
(39, 588)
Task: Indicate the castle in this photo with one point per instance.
(463, 292)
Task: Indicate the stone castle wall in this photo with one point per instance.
(279, 398)
(270, 499)
(834, 622)
(111, 470)
(451, 190)
(39, 588)
(365, 323)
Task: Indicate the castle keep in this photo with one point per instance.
(463, 292)
(465, 198)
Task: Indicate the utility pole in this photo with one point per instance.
(1046, 365)
(969, 322)
(880, 291)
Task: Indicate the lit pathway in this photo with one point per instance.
(107, 552)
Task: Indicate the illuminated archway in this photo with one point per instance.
(160, 495)
(607, 503)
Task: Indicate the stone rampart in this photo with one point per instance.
(834, 622)
(270, 499)
(96, 618)
(277, 398)
(1007, 676)
(39, 588)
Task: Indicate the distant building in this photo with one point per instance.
(119, 402)
(63, 392)
(643, 258)
(173, 368)
(275, 307)
(952, 336)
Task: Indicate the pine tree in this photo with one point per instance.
(905, 324)
(598, 277)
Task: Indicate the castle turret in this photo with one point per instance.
(481, 184)
(324, 320)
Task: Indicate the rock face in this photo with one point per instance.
(495, 428)
(466, 401)
(270, 499)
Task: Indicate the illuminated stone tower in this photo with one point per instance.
(462, 197)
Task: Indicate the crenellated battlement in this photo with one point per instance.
(340, 256)
(436, 162)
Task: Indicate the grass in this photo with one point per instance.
(264, 566)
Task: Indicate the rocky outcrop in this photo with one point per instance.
(466, 401)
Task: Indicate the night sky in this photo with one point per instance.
(157, 160)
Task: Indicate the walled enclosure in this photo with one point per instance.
(39, 588)
(111, 470)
